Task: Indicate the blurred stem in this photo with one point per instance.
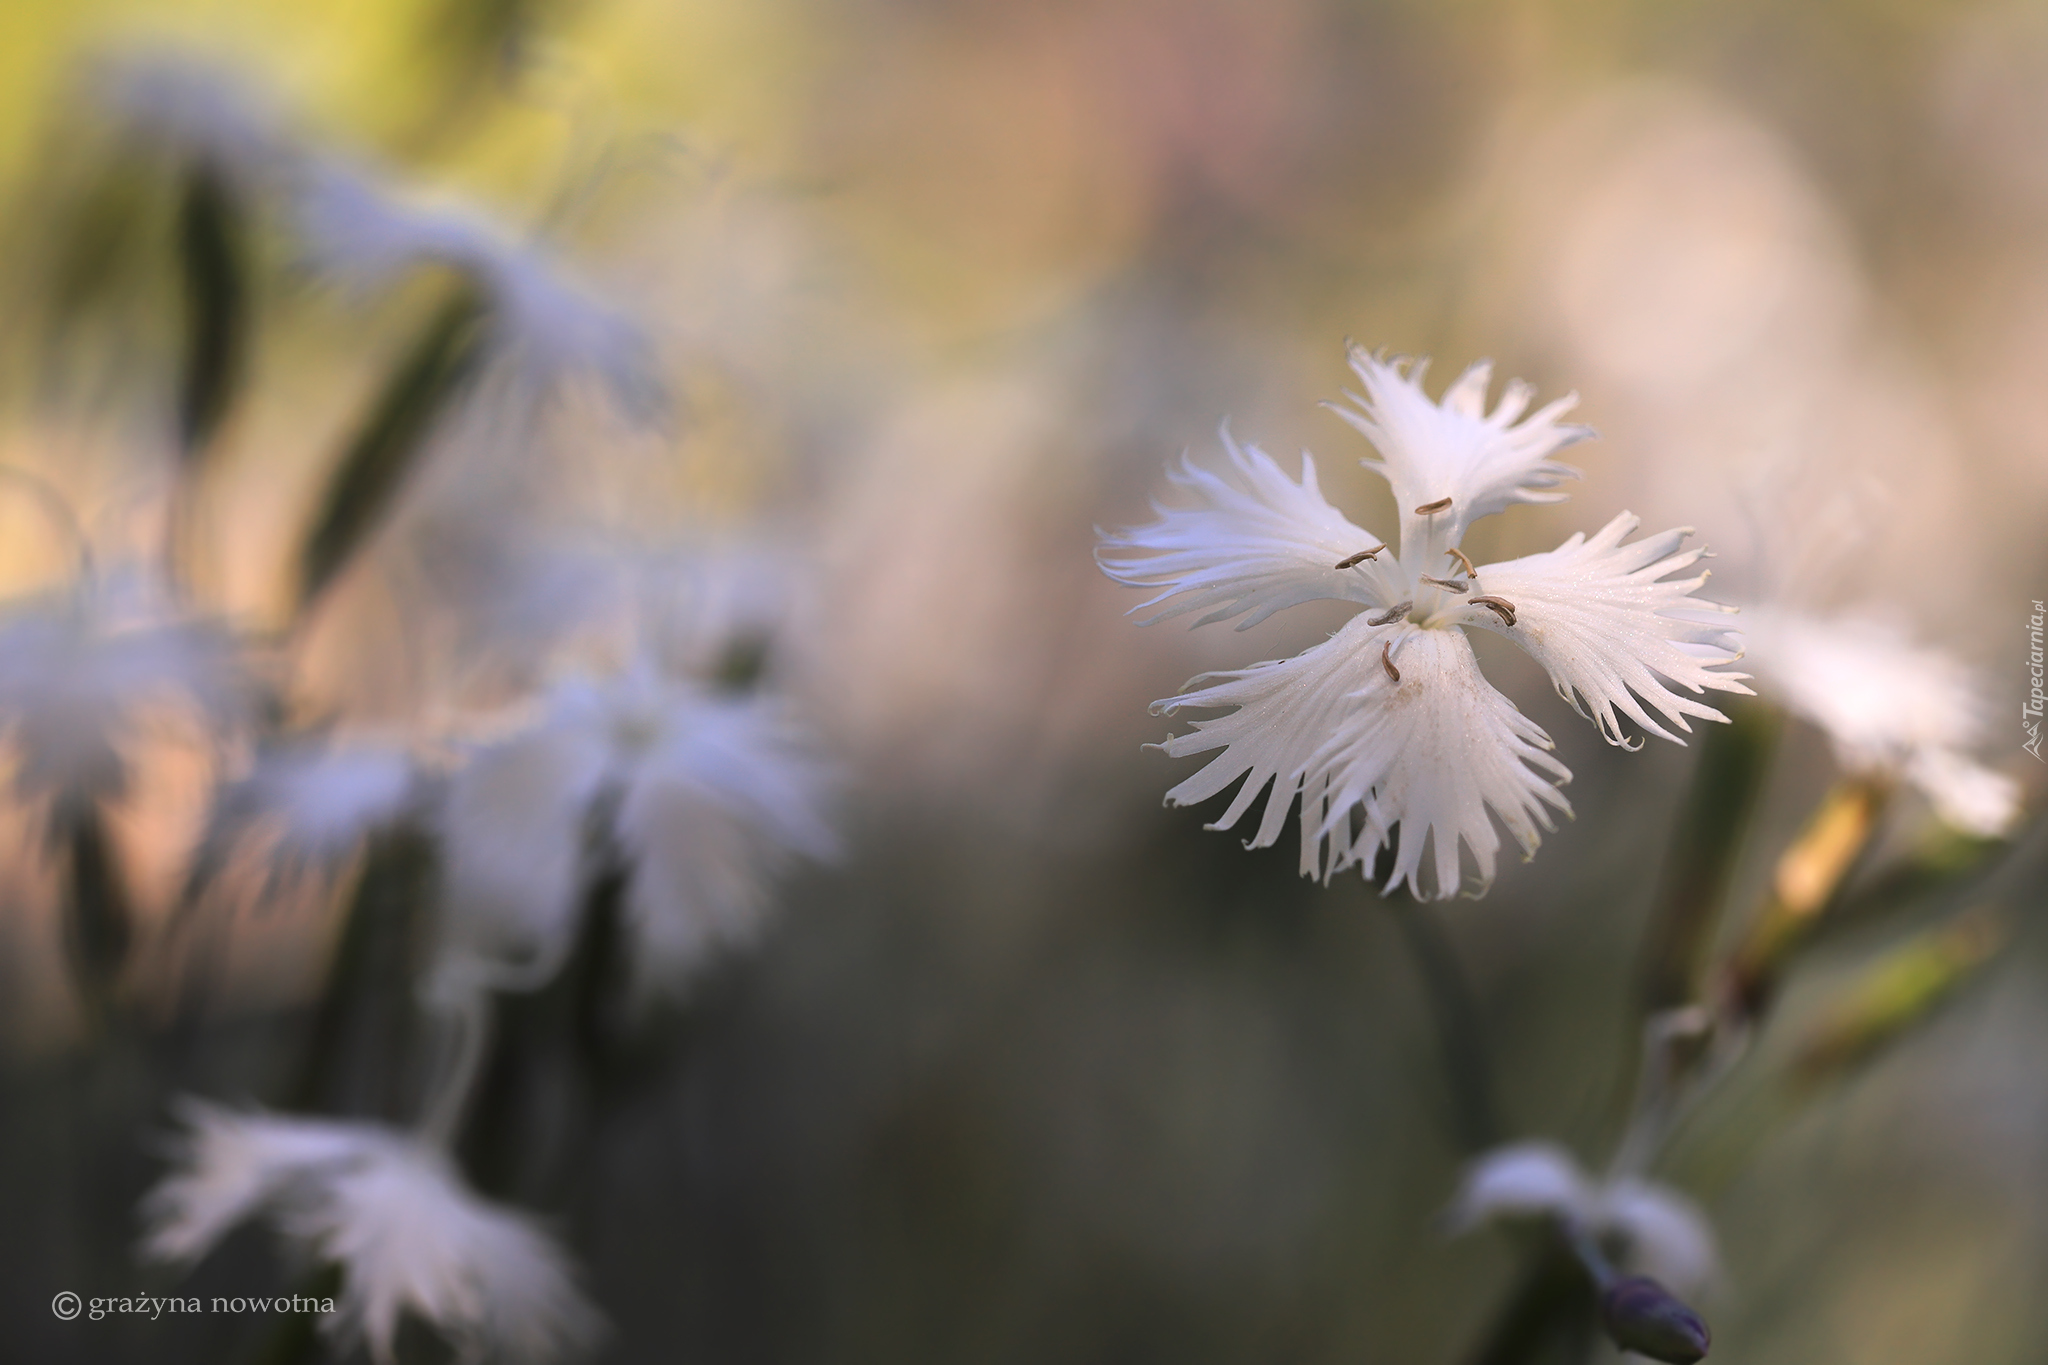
(470, 1020)
(368, 983)
(386, 447)
(211, 237)
(1685, 1054)
(1586, 1250)
(1467, 1065)
(99, 923)
(1734, 760)
(545, 1077)
(1549, 1318)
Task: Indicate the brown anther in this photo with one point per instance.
(1392, 614)
(1455, 553)
(1447, 584)
(1500, 606)
(1430, 509)
(1387, 660)
(1353, 561)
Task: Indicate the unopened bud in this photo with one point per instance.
(1643, 1316)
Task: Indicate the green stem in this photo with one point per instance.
(1468, 1066)
(1734, 760)
(367, 993)
(99, 923)
(1549, 1318)
(448, 1102)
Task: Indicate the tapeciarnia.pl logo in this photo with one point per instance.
(2030, 709)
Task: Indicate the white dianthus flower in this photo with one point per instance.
(1391, 715)
(392, 1213)
(362, 234)
(81, 674)
(701, 796)
(1889, 706)
(1662, 1233)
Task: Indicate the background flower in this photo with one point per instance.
(395, 1219)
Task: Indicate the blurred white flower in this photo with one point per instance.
(82, 673)
(307, 804)
(1392, 715)
(327, 797)
(389, 1211)
(701, 797)
(1890, 707)
(197, 107)
(703, 607)
(1661, 1233)
(362, 234)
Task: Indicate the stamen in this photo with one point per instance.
(1392, 614)
(1353, 561)
(1459, 555)
(1449, 584)
(1500, 606)
(1430, 509)
(1387, 660)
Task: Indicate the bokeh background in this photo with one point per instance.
(1039, 1071)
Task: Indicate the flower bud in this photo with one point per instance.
(1643, 1316)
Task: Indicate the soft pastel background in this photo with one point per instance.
(1041, 1072)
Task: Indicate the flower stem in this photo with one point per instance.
(1468, 1066)
(470, 1017)
(1734, 760)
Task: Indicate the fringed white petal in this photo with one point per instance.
(1609, 626)
(411, 1239)
(1483, 462)
(1286, 710)
(1441, 750)
(1252, 540)
(391, 1213)
(229, 1165)
(1430, 754)
(1888, 705)
(725, 800)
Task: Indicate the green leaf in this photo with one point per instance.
(212, 249)
(380, 457)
